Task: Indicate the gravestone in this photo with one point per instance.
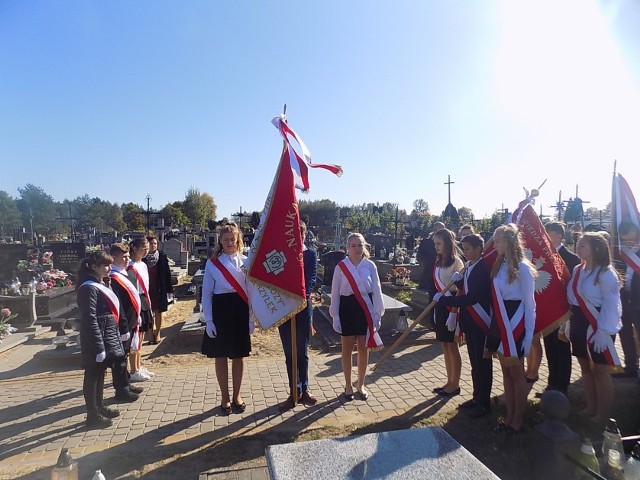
(329, 261)
(67, 256)
(418, 453)
(10, 255)
(173, 249)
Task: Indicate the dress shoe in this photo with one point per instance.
(134, 389)
(437, 389)
(225, 409)
(125, 396)
(95, 420)
(238, 407)
(108, 412)
(479, 412)
(532, 380)
(469, 404)
(626, 374)
(363, 394)
(452, 393)
(348, 396)
(307, 398)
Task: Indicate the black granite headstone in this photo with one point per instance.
(66, 256)
(10, 255)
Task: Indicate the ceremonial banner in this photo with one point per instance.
(552, 306)
(275, 269)
(624, 209)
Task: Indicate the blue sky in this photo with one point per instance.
(122, 99)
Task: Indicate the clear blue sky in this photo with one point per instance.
(122, 99)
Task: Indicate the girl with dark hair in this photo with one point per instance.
(99, 335)
(226, 314)
(160, 288)
(594, 296)
(448, 263)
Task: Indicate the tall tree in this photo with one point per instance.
(9, 214)
(37, 208)
(133, 216)
(174, 215)
(199, 207)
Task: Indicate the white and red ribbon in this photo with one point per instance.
(479, 315)
(112, 299)
(510, 328)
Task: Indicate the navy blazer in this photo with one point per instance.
(310, 260)
(479, 283)
(571, 260)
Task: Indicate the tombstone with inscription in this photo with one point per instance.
(173, 249)
(67, 256)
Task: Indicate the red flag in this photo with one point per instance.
(275, 268)
(551, 284)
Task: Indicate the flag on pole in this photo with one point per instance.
(552, 306)
(625, 210)
(275, 270)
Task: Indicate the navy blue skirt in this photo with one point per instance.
(231, 318)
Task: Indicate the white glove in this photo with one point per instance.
(600, 341)
(567, 329)
(452, 322)
(211, 330)
(337, 326)
(376, 323)
(437, 297)
(101, 357)
(252, 326)
(456, 277)
(125, 336)
(526, 345)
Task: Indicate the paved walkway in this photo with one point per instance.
(177, 419)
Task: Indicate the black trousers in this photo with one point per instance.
(93, 386)
(559, 362)
(120, 374)
(629, 320)
(481, 368)
(303, 332)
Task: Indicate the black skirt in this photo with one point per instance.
(578, 337)
(440, 324)
(493, 338)
(231, 318)
(352, 318)
(147, 320)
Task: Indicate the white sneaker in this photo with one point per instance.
(139, 377)
(144, 371)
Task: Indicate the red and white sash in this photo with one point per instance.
(479, 315)
(112, 299)
(230, 277)
(122, 280)
(373, 340)
(590, 311)
(510, 328)
(440, 286)
(142, 284)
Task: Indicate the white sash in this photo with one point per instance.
(112, 299)
(478, 313)
(506, 325)
(124, 281)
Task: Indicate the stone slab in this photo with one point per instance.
(418, 453)
(392, 309)
(193, 325)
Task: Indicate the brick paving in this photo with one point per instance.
(42, 410)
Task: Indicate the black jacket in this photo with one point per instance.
(571, 260)
(128, 314)
(479, 283)
(310, 259)
(98, 327)
(163, 273)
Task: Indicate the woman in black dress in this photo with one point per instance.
(160, 288)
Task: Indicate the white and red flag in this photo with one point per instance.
(624, 210)
(275, 269)
(552, 306)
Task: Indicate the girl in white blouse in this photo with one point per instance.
(512, 321)
(349, 318)
(594, 295)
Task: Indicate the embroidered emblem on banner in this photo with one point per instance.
(274, 262)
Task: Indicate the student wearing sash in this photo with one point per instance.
(139, 275)
(629, 268)
(226, 313)
(356, 309)
(448, 262)
(303, 321)
(160, 288)
(513, 321)
(129, 316)
(99, 336)
(474, 301)
(594, 296)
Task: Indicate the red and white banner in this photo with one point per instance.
(275, 270)
(552, 306)
(625, 210)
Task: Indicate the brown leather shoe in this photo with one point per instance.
(307, 399)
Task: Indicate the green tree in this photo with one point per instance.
(37, 208)
(9, 214)
(199, 207)
(133, 217)
(174, 215)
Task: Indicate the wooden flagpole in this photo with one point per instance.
(292, 321)
(389, 351)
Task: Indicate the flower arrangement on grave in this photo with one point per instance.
(399, 276)
(5, 327)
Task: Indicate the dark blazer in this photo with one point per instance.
(163, 273)
(310, 259)
(479, 283)
(570, 259)
(128, 314)
(98, 327)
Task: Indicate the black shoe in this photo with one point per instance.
(95, 420)
(469, 404)
(532, 380)
(625, 374)
(125, 396)
(452, 393)
(108, 412)
(136, 390)
(479, 412)
(437, 390)
(238, 407)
